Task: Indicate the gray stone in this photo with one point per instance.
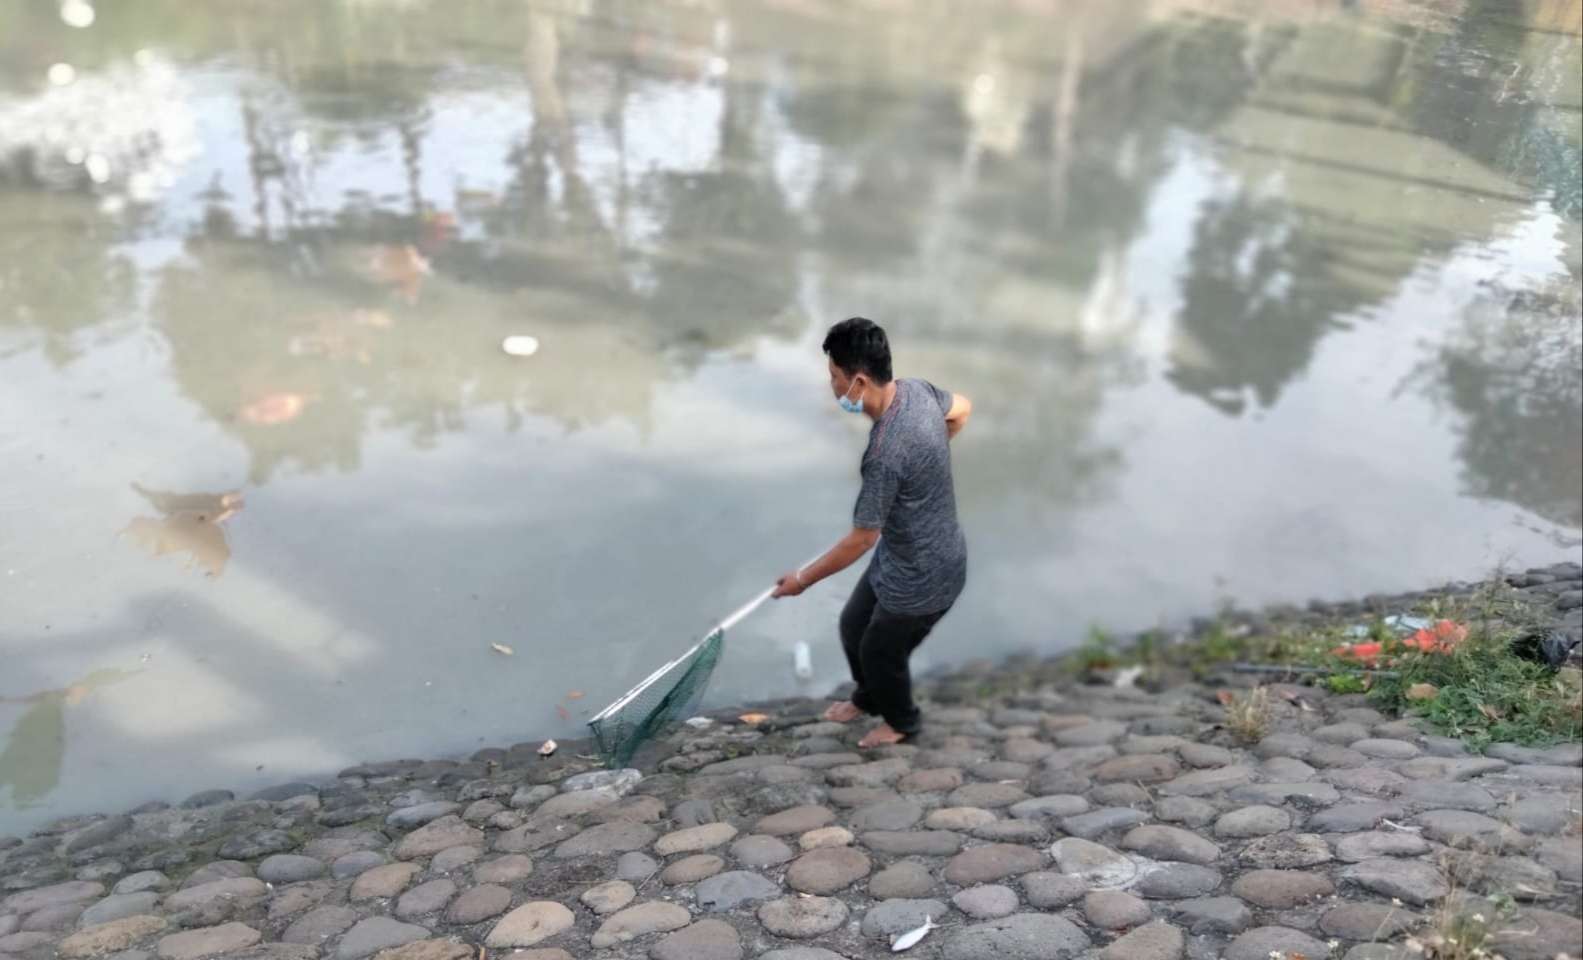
(1352, 817)
(991, 862)
(1564, 755)
(827, 870)
(1539, 935)
(1412, 881)
(636, 867)
(1114, 910)
(1370, 845)
(1120, 795)
(1286, 851)
(1284, 745)
(1367, 921)
(142, 881)
(1099, 822)
(619, 782)
(798, 918)
(1205, 755)
(759, 850)
(374, 934)
(1262, 943)
(1517, 877)
(254, 844)
(1548, 774)
(606, 839)
(986, 902)
(526, 798)
(452, 859)
(503, 870)
(1543, 814)
(1096, 865)
(320, 924)
(1341, 733)
(1376, 781)
(903, 880)
(704, 940)
(1013, 831)
(437, 835)
(1329, 756)
(727, 891)
(425, 898)
(1449, 768)
(1048, 891)
(1177, 881)
(1076, 758)
(1137, 768)
(913, 843)
(1153, 941)
(1307, 794)
(690, 840)
(207, 798)
(1203, 783)
(1170, 843)
(1091, 734)
(479, 903)
(53, 919)
(1049, 808)
(888, 815)
(1189, 810)
(1386, 749)
(959, 818)
(355, 863)
(1022, 936)
(289, 868)
(1281, 889)
(892, 917)
(119, 905)
(96, 834)
(801, 953)
(1254, 821)
(216, 898)
(381, 883)
(217, 870)
(1564, 855)
(989, 796)
(1465, 829)
(407, 818)
(1206, 915)
(1447, 795)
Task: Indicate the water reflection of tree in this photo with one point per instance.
(1256, 300)
(1515, 373)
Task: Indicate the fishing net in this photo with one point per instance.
(669, 695)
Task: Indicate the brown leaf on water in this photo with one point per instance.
(1422, 691)
(753, 719)
(273, 408)
(562, 712)
(575, 695)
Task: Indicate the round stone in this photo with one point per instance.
(692, 869)
(798, 918)
(760, 850)
(320, 924)
(479, 903)
(1177, 881)
(1095, 865)
(504, 870)
(704, 940)
(530, 924)
(355, 864)
(636, 867)
(1281, 889)
(991, 862)
(454, 858)
(727, 891)
(828, 870)
(425, 898)
(986, 902)
(1050, 891)
(1254, 821)
(892, 917)
(825, 837)
(797, 820)
(608, 897)
(1153, 941)
(1262, 943)
(958, 818)
(1114, 910)
(905, 880)
(693, 839)
(1171, 843)
(640, 920)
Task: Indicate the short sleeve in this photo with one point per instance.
(942, 397)
(875, 498)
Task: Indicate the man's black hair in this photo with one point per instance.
(859, 345)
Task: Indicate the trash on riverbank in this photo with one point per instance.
(548, 748)
(520, 345)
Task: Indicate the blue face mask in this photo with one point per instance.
(850, 405)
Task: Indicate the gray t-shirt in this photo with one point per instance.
(920, 566)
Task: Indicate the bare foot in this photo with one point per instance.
(881, 736)
(844, 712)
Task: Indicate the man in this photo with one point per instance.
(907, 505)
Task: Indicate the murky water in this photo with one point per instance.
(1256, 300)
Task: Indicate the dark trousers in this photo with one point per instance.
(878, 644)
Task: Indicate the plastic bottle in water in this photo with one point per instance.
(802, 661)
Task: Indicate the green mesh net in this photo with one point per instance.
(669, 695)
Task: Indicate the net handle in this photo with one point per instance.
(736, 617)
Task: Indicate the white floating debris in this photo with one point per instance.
(98, 168)
(908, 940)
(719, 66)
(502, 648)
(520, 345)
(802, 661)
(699, 723)
(77, 13)
(62, 74)
(1127, 677)
(549, 747)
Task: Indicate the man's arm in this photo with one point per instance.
(847, 551)
(956, 417)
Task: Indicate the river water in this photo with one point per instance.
(1260, 301)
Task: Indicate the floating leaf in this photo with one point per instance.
(502, 648)
(575, 695)
(548, 747)
(562, 712)
(753, 719)
(274, 408)
(1422, 691)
